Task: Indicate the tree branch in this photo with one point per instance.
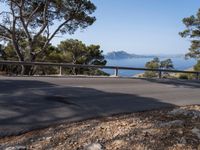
(31, 15)
(56, 31)
(5, 28)
(51, 37)
(23, 22)
(14, 40)
(45, 21)
(5, 37)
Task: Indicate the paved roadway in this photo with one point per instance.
(28, 103)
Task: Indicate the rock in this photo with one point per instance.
(172, 123)
(183, 140)
(178, 111)
(196, 114)
(93, 146)
(180, 131)
(48, 138)
(115, 134)
(196, 131)
(180, 145)
(118, 144)
(16, 148)
(198, 148)
(190, 113)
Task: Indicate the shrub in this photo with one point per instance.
(183, 76)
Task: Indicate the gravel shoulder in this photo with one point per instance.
(172, 129)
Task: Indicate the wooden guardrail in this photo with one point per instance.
(116, 68)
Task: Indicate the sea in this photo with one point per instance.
(180, 63)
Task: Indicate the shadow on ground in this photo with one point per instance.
(28, 104)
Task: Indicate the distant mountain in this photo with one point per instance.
(118, 55)
(125, 55)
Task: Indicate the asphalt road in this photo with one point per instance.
(28, 103)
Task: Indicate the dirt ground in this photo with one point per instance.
(171, 129)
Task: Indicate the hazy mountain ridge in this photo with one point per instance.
(125, 55)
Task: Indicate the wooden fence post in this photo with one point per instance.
(60, 74)
(197, 75)
(116, 71)
(160, 74)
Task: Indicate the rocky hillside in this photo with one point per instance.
(125, 55)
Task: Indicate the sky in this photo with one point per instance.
(139, 26)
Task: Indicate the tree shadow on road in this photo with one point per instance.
(28, 104)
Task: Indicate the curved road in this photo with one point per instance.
(28, 103)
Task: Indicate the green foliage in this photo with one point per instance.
(150, 74)
(187, 76)
(167, 64)
(192, 32)
(69, 51)
(197, 66)
(95, 72)
(183, 76)
(94, 56)
(191, 75)
(154, 64)
(157, 64)
(75, 52)
(8, 52)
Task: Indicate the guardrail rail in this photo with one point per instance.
(116, 68)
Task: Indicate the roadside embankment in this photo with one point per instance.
(173, 128)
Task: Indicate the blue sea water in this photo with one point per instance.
(179, 64)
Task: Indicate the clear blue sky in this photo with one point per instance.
(139, 26)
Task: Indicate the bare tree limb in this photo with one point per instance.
(31, 15)
(45, 21)
(5, 28)
(51, 37)
(5, 37)
(14, 40)
(56, 31)
(21, 6)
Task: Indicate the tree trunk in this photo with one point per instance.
(29, 70)
(74, 71)
(26, 70)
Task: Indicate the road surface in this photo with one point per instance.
(28, 103)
